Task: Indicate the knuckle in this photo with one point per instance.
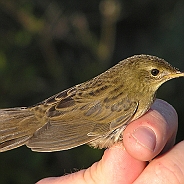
(169, 172)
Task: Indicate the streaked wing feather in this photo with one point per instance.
(60, 136)
(74, 120)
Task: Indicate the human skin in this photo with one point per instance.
(143, 140)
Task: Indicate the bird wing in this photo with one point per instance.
(74, 118)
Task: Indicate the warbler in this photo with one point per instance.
(95, 112)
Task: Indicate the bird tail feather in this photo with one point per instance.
(17, 125)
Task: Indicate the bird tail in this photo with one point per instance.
(17, 125)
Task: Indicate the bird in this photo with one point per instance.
(95, 112)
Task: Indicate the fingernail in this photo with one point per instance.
(146, 137)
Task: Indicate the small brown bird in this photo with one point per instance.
(95, 112)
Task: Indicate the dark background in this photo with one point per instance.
(47, 46)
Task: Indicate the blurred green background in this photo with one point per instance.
(47, 46)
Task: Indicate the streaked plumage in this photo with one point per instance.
(95, 112)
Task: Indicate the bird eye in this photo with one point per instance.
(154, 72)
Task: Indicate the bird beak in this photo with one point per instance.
(176, 75)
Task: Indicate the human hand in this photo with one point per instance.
(127, 162)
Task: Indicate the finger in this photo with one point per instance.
(171, 117)
(116, 164)
(114, 167)
(147, 136)
(166, 169)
